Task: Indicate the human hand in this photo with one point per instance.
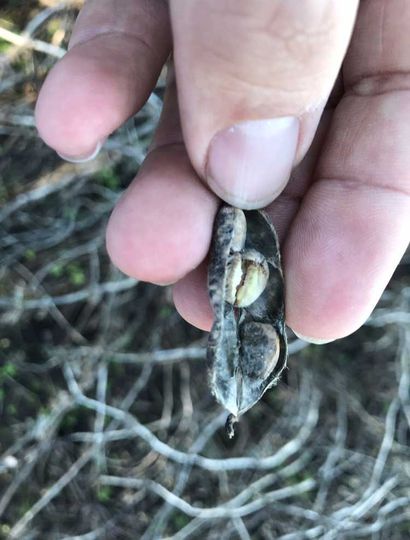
(253, 79)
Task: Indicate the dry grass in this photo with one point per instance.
(107, 428)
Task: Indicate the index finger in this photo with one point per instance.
(117, 50)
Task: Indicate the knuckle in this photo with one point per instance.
(273, 49)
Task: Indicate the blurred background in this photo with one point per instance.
(107, 426)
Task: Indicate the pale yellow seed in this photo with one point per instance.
(247, 277)
(254, 283)
(234, 277)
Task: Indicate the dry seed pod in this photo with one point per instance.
(247, 348)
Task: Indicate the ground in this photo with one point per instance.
(107, 426)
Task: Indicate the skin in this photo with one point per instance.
(343, 217)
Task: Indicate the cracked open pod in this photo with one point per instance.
(247, 347)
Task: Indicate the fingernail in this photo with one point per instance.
(314, 341)
(163, 283)
(85, 157)
(250, 163)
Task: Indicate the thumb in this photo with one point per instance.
(253, 78)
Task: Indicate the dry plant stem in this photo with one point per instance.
(69, 255)
(404, 381)
(25, 42)
(270, 462)
(21, 476)
(42, 431)
(168, 401)
(161, 356)
(334, 456)
(92, 294)
(223, 510)
(48, 184)
(186, 398)
(96, 534)
(52, 492)
(102, 377)
(158, 524)
(55, 312)
(241, 529)
(253, 490)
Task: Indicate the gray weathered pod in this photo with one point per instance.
(247, 347)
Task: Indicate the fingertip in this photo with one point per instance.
(314, 341)
(161, 228)
(84, 158)
(91, 91)
(70, 112)
(341, 252)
